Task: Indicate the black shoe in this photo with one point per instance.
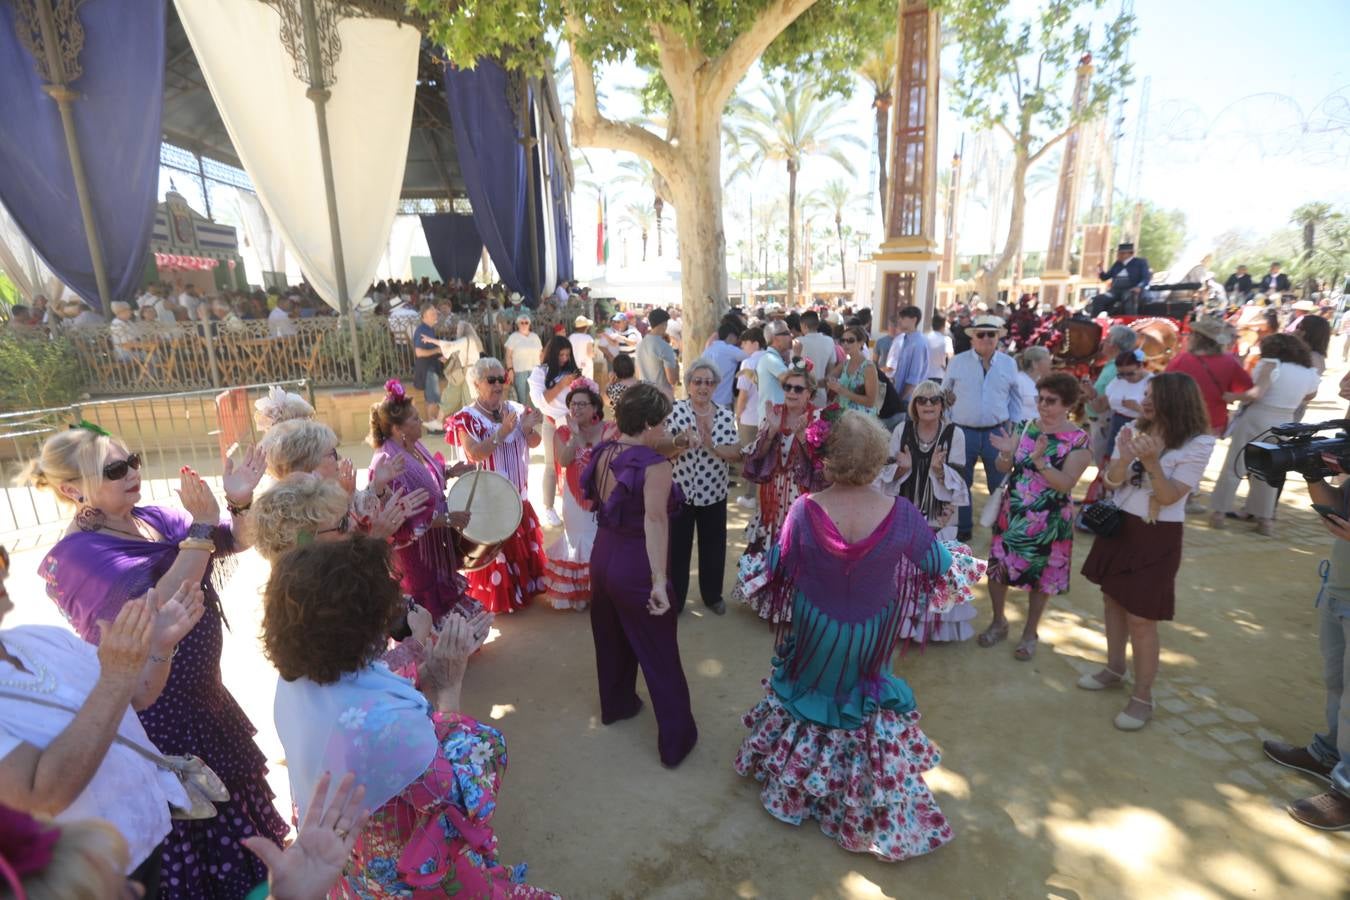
(719, 608)
(963, 535)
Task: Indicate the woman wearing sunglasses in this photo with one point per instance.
(853, 380)
(116, 550)
(1033, 535)
(780, 462)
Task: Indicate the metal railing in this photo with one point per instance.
(193, 428)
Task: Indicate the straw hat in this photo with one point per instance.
(1305, 306)
(1217, 330)
(984, 322)
(582, 322)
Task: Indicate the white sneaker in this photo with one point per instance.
(746, 503)
(551, 518)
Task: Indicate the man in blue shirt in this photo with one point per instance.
(984, 381)
(773, 363)
(726, 354)
(907, 361)
(1128, 276)
(427, 366)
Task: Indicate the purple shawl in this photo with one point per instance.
(90, 575)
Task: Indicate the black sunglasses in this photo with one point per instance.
(1136, 473)
(848, 340)
(795, 388)
(986, 334)
(928, 401)
(343, 526)
(116, 471)
(496, 379)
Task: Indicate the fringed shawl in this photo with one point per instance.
(91, 575)
(849, 600)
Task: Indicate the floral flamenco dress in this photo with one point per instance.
(785, 469)
(90, 576)
(567, 573)
(836, 736)
(1032, 547)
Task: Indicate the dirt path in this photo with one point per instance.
(1046, 797)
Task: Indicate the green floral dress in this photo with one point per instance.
(1033, 537)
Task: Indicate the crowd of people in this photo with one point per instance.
(854, 458)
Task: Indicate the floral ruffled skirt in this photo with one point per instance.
(865, 785)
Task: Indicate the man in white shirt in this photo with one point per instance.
(619, 337)
(280, 322)
(655, 358)
(749, 411)
(773, 363)
(726, 354)
(817, 348)
(984, 380)
(939, 347)
(189, 300)
(675, 329)
(583, 346)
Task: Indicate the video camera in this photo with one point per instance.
(1292, 448)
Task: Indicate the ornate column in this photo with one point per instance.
(1055, 278)
(907, 266)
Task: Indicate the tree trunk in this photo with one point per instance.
(882, 104)
(1016, 222)
(697, 196)
(792, 231)
(644, 245)
(839, 231)
(658, 204)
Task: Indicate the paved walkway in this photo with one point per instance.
(1046, 797)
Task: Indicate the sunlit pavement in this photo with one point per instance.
(1046, 797)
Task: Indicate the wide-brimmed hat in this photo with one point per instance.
(1304, 306)
(515, 297)
(982, 323)
(1217, 330)
(582, 322)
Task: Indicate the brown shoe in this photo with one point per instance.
(1297, 758)
(1326, 812)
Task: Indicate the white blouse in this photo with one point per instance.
(127, 790)
(1185, 465)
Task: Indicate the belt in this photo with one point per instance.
(981, 427)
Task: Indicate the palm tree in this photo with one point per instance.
(797, 125)
(639, 172)
(641, 216)
(836, 198)
(1311, 217)
(742, 163)
(878, 70)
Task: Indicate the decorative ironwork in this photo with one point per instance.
(69, 36)
(327, 14)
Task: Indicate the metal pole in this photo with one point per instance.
(63, 96)
(201, 176)
(319, 95)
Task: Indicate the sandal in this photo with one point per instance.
(1127, 722)
(992, 635)
(1026, 649)
(1093, 681)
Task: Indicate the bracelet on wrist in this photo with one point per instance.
(163, 659)
(197, 544)
(201, 531)
(238, 509)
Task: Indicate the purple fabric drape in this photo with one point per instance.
(455, 245)
(492, 161)
(117, 124)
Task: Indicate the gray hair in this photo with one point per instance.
(1122, 337)
(485, 365)
(701, 365)
(1032, 355)
(297, 445)
(119, 305)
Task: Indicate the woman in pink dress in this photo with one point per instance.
(567, 579)
(497, 434)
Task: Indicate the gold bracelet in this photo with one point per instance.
(197, 544)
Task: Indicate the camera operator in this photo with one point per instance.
(1328, 756)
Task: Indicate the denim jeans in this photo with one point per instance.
(1334, 746)
(522, 386)
(978, 447)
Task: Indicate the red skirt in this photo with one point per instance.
(1137, 567)
(517, 574)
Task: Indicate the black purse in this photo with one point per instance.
(1103, 518)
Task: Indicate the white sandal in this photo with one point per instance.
(1127, 722)
(1092, 683)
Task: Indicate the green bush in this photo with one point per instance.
(36, 372)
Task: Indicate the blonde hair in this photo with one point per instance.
(297, 446)
(856, 449)
(927, 389)
(279, 406)
(74, 456)
(299, 503)
(89, 862)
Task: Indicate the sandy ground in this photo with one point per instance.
(1046, 797)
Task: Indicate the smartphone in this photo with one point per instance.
(1325, 511)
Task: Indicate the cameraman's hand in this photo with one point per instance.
(1338, 527)
(1333, 463)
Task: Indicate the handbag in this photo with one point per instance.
(989, 515)
(890, 397)
(1103, 518)
(201, 784)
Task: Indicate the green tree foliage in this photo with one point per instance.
(1162, 234)
(1016, 76)
(36, 373)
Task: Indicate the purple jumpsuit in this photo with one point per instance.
(626, 635)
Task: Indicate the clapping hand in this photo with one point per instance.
(124, 645)
(1038, 451)
(385, 471)
(175, 617)
(904, 461)
(239, 480)
(1004, 441)
(197, 498)
(308, 868)
(419, 623)
(939, 460)
(393, 512)
(346, 475)
(509, 421)
(530, 420)
(1146, 447)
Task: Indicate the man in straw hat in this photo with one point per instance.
(984, 380)
(1218, 373)
(583, 346)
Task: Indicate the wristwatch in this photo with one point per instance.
(201, 531)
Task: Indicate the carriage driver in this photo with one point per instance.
(1128, 277)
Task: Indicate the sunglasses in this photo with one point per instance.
(986, 334)
(116, 471)
(928, 401)
(703, 382)
(496, 379)
(343, 526)
(1136, 473)
(795, 388)
(848, 340)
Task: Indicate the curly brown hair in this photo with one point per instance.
(1062, 385)
(328, 608)
(384, 415)
(1286, 348)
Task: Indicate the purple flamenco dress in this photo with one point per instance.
(91, 575)
(836, 736)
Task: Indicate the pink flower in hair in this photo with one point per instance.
(584, 383)
(394, 388)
